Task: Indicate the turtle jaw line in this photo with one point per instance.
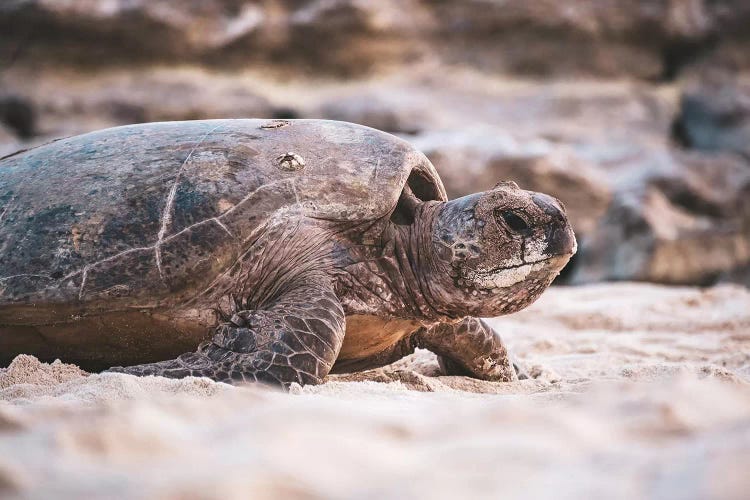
(492, 274)
(524, 263)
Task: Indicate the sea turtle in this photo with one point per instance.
(256, 250)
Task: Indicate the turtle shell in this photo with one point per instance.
(130, 212)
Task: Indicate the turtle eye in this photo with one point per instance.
(512, 220)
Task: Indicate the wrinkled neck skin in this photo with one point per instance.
(421, 273)
(383, 275)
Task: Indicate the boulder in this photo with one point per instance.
(18, 114)
(688, 227)
(404, 106)
(343, 36)
(715, 113)
(648, 39)
(9, 142)
(70, 102)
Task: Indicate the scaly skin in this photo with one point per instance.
(296, 339)
(469, 347)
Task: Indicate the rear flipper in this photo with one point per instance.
(295, 339)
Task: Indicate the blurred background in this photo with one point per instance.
(635, 113)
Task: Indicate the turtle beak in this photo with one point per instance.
(559, 235)
(560, 241)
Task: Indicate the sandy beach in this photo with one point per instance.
(635, 391)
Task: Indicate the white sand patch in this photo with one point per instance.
(638, 391)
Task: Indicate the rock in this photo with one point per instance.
(9, 142)
(18, 114)
(354, 37)
(691, 226)
(715, 114)
(349, 36)
(548, 37)
(71, 102)
(172, 95)
(105, 33)
(377, 112)
(641, 38)
(7, 135)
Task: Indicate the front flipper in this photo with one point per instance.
(296, 339)
(470, 347)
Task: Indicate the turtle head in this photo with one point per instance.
(497, 251)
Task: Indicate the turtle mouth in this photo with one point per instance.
(503, 277)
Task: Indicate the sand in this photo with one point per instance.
(636, 391)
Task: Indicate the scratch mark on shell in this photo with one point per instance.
(6, 209)
(166, 216)
(223, 226)
(254, 192)
(296, 195)
(83, 282)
